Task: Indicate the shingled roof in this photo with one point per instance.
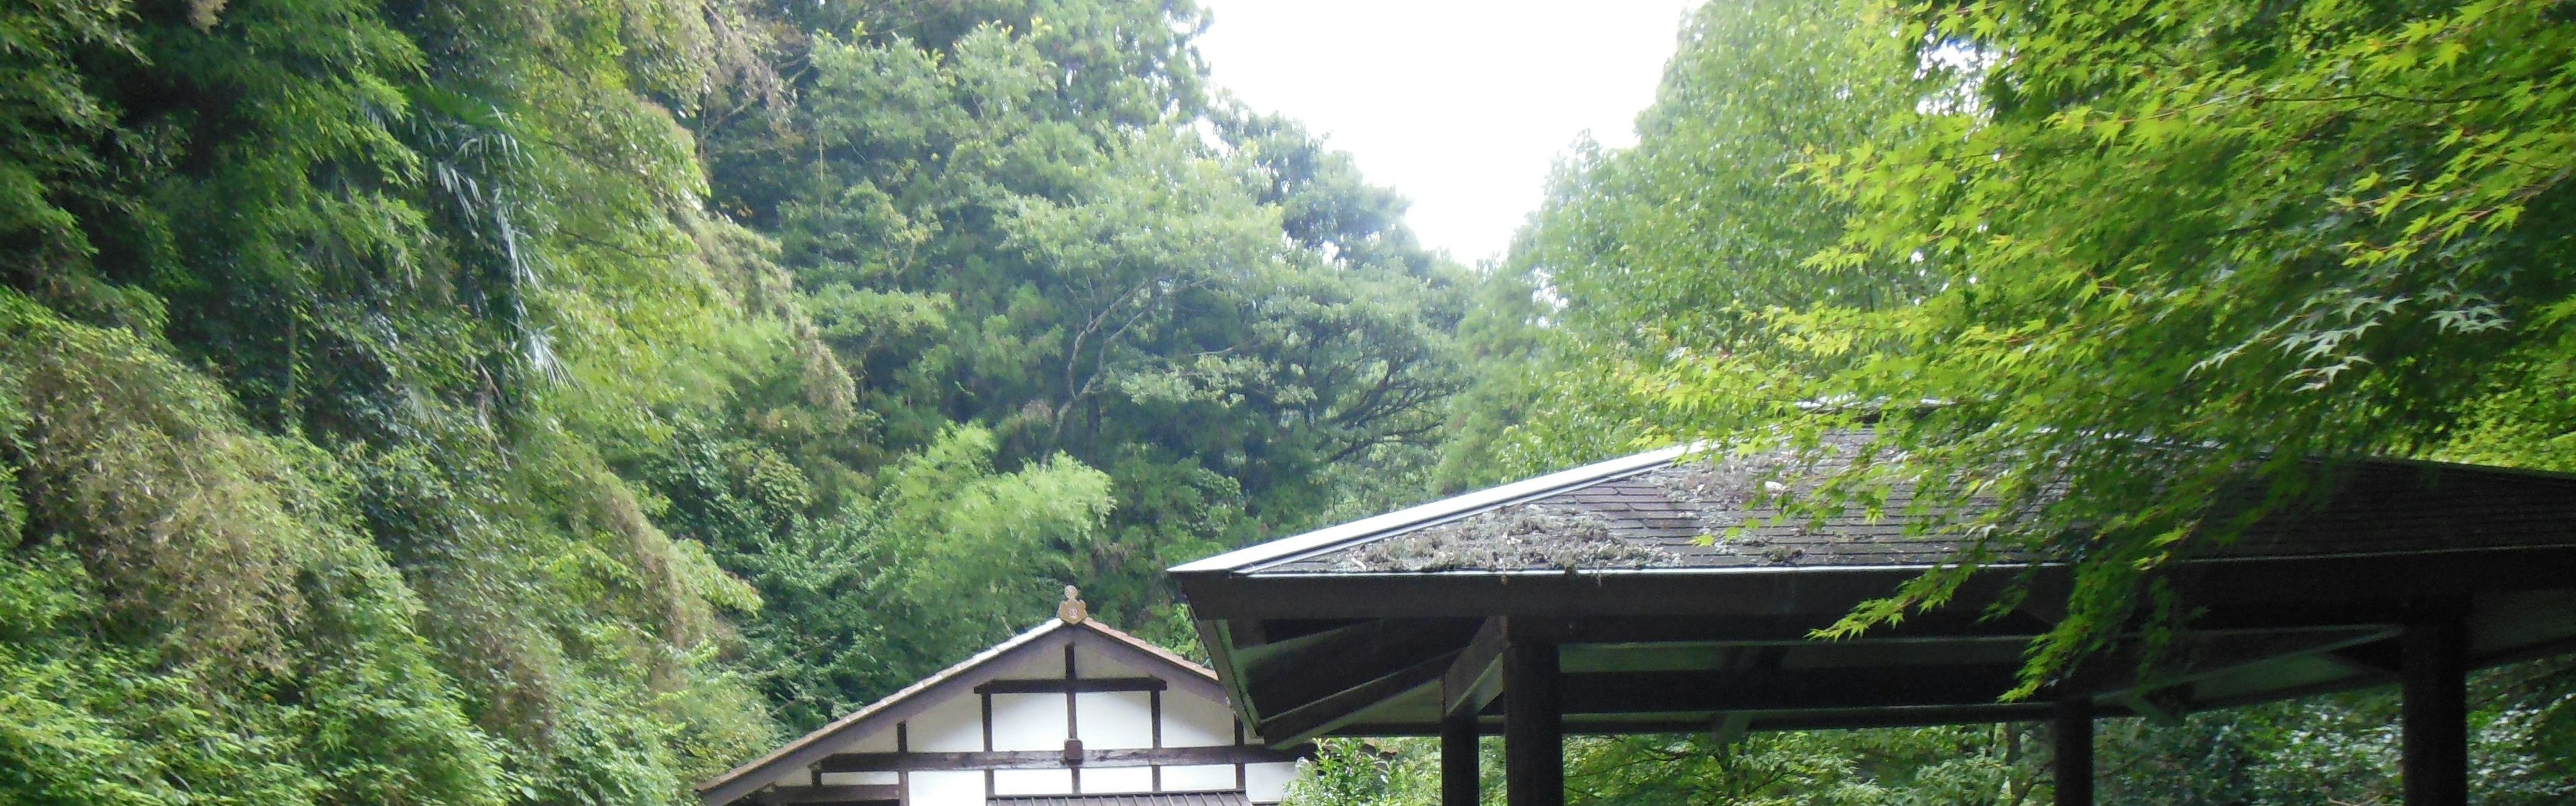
(1677, 594)
(1676, 509)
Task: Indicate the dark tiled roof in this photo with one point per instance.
(1225, 798)
(1695, 514)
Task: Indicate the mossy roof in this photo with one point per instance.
(1679, 509)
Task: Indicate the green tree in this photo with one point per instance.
(2271, 234)
(997, 230)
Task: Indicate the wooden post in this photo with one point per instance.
(1458, 774)
(2434, 716)
(2070, 729)
(1533, 725)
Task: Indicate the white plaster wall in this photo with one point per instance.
(1192, 722)
(1032, 782)
(1028, 721)
(1048, 665)
(793, 777)
(1109, 720)
(949, 727)
(1116, 719)
(852, 778)
(947, 789)
(878, 742)
(1267, 782)
(1094, 664)
(1201, 778)
(1112, 780)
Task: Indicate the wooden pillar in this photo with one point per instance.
(2434, 734)
(1458, 774)
(1533, 725)
(2070, 729)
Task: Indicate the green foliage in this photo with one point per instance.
(1955, 765)
(947, 557)
(2038, 246)
(388, 418)
(2308, 234)
(994, 225)
(191, 616)
(311, 342)
(1648, 263)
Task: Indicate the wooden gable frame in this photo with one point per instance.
(980, 675)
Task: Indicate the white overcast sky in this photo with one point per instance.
(1460, 105)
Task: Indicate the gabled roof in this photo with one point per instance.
(958, 680)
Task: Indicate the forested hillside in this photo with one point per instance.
(559, 402)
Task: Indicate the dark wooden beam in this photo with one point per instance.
(1291, 674)
(2070, 733)
(2433, 735)
(1730, 728)
(1476, 677)
(2319, 583)
(1626, 725)
(1938, 625)
(2383, 659)
(1817, 689)
(1219, 637)
(1057, 759)
(1533, 721)
(1346, 706)
(819, 795)
(1079, 685)
(1460, 781)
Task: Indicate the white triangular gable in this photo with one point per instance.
(1068, 708)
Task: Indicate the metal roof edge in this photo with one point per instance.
(1490, 497)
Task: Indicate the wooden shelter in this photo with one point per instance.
(1596, 601)
(1072, 713)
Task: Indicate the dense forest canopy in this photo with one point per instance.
(562, 401)
(2128, 250)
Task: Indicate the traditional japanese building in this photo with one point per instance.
(1072, 713)
(1652, 594)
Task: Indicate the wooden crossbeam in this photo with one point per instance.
(1346, 706)
(1078, 685)
(1476, 677)
(1331, 663)
(820, 795)
(1056, 759)
(1786, 689)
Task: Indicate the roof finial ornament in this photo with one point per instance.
(1072, 611)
